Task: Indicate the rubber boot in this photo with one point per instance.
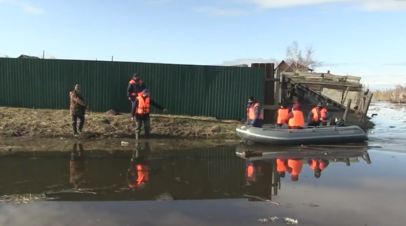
(137, 135)
(75, 130)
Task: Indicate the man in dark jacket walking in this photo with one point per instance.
(78, 108)
(135, 87)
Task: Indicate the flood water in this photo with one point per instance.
(352, 185)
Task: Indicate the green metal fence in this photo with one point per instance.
(183, 89)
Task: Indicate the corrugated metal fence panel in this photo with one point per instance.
(183, 89)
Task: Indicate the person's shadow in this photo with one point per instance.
(77, 165)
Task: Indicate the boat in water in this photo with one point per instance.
(306, 135)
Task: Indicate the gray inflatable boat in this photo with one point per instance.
(307, 135)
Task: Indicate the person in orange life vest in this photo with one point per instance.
(142, 110)
(318, 165)
(282, 167)
(254, 115)
(318, 115)
(252, 171)
(295, 118)
(138, 172)
(135, 87)
(295, 167)
(283, 113)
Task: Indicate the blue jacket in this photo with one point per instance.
(256, 122)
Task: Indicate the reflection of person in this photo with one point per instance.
(253, 169)
(281, 166)
(318, 165)
(138, 172)
(295, 167)
(77, 164)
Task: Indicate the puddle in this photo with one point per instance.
(326, 185)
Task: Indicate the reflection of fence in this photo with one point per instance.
(183, 89)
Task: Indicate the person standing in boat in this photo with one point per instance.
(318, 115)
(295, 118)
(254, 114)
(283, 113)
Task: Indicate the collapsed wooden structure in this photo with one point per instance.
(338, 93)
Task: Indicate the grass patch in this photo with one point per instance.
(45, 123)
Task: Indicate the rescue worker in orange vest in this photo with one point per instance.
(295, 119)
(283, 113)
(252, 171)
(254, 114)
(138, 173)
(135, 87)
(318, 165)
(295, 167)
(282, 167)
(318, 115)
(142, 110)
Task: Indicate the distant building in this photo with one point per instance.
(27, 57)
(283, 66)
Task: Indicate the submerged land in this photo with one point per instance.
(45, 123)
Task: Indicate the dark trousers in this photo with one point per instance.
(138, 124)
(75, 122)
(318, 123)
(133, 107)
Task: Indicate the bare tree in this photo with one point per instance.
(295, 57)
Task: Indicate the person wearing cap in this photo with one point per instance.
(78, 108)
(318, 165)
(254, 114)
(283, 113)
(135, 87)
(318, 115)
(142, 111)
(295, 118)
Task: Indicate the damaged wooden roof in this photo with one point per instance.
(325, 80)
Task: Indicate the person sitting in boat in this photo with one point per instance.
(281, 166)
(295, 166)
(283, 113)
(318, 165)
(254, 115)
(295, 118)
(318, 115)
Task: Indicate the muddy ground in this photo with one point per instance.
(37, 123)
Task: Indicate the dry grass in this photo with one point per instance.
(38, 123)
(397, 94)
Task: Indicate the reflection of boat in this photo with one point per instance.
(308, 135)
(336, 155)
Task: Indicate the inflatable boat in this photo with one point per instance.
(306, 135)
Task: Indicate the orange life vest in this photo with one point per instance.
(280, 165)
(317, 114)
(143, 105)
(132, 81)
(297, 120)
(316, 163)
(252, 172)
(282, 115)
(251, 112)
(296, 166)
(143, 174)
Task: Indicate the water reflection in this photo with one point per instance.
(212, 173)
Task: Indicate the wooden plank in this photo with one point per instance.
(345, 95)
(271, 80)
(367, 103)
(278, 87)
(347, 110)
